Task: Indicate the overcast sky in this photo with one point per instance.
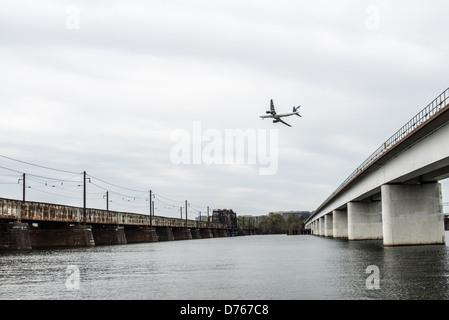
(114, 87)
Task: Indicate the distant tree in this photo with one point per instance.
(278, 224)
(295, 223)
(264, 225)
(247, 221)
(274, 223)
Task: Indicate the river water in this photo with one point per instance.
(261, 267)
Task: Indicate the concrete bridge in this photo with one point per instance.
(395, 194)
(26, 225)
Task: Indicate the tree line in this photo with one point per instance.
(275, 223)
(272, 224)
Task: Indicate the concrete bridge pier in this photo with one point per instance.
(137, 234)
(222, 233)
(182, 234)
(109, 234)
(165, 234)
(340, 223)
(328, 225)
(315, 228)
(412, 214)
(61, 235)
(195, 233)
(14, 236)
(321, 230)
(206, 233)
(365, 220)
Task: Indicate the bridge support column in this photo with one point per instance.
(165, 234)
(365, 220)
(61, 236)
(328, 225)
(412, 214)
(195, 233)
(206, 233)
(109, 234)
(137, 234)
(14, 236)
(340, 223)
(222, 233)
(182, 234)
(321, 227)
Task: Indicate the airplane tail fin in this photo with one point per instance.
(295, 109)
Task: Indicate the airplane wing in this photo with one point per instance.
(273, 112)
(284, 122)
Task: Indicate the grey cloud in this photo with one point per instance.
(106, 97)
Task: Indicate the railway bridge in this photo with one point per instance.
(395, 194)
(27, 225)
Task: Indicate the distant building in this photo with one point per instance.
(301, 214)
(226, 217)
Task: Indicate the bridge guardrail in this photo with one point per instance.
(421, 118)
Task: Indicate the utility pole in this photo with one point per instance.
(84, 198)
(186, 213)
(24, 187)
(107, 200)
(208, 216)
(180, 209)
(151, 208)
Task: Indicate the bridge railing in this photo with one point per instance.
(421, 118)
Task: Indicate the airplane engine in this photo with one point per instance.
(268, 112)
(275, 121)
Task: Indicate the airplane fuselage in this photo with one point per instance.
(278, 115)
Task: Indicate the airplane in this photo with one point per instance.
(277, 116)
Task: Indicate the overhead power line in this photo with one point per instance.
(47, 182)
(37, 165)
(117, 186)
